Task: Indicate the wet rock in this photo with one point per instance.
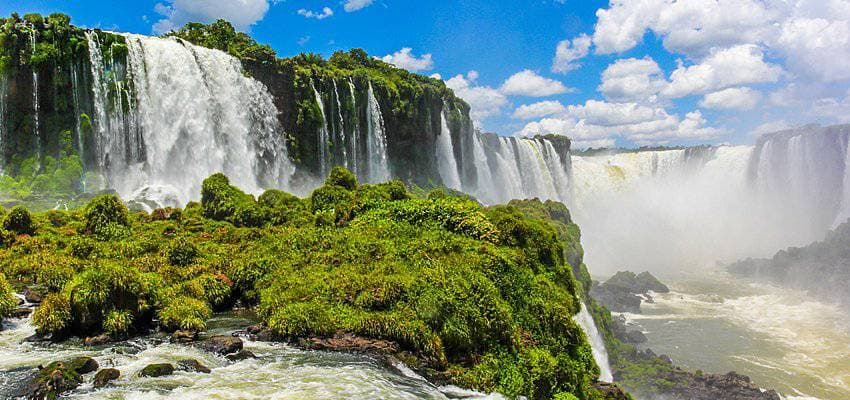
(84, 365)
(625, 291)
(98, 340)
(105, 376)
(190, 365)
(21, 312)
(156, 370)
(32, 296)
(635, 337)
(349, 342)
(667, 360)
(241, 355)
(184, 336)
(221, 345)
(611, 391)
(254, 329)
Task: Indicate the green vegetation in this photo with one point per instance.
(482, 297)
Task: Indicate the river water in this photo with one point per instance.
(779, 337)
(279, 371)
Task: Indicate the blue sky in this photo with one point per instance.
(630, 72)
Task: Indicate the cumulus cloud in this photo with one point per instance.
(738, 65)
(569, 52)
(632, 80)
(742, 98)
(356, 5)
(817, 47)
(484, 101)
(539, 109)
(326, 12)
(602, 122)
(241, 13)
(405, 58)
(529, 83)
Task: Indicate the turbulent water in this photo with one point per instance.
(779, 337)
(278, 372)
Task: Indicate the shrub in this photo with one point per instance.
(283, 207)
(8, 301)
(53, 316)
(55, 275)
(330, 198)
(19, 221)
(181, 252)
(342, 177)
(104, 211)
(117, 322)
(58, 218)
(185, 313)
(223, 202)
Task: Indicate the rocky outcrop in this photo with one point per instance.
(221, 345)
(625, 291)
(190, 365)
(104, 376)
(50, 381)
(157, 370)
(822, 268)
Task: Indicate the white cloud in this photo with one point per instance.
(771, 127)
(241, 13)
(539, 109)
(320, 15)
(742, 98)
(356, 5)
(632, 80)
(484, 101)
(738, 65)
(405, 58)
(598, 122)
(817, 47)
(568, 52)
(529, 83)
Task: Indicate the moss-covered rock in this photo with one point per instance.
(104, 376)
(156, 370)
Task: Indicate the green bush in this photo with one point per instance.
(342, 177)
(118, 322)
(19, 221)
(8, 301)
(53, 316)
(105, 214)
(181, 252)
(223, 202)
(185, 313)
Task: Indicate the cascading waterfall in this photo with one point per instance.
(355, 132)
(485, 187)
(339, 131)
(3, 106)
(376, 141)
(446, 157)
(322, 140)
(597, 344)
(75, 88)
(178, 113)
(35, 106)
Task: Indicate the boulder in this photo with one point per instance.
(98, 340)
(221, 345)
(105, 376)
(55, 378)
(156, 370)
(32, 296)
(21, 312)
(190, 365)
(184, 336)
(84, 365)
(635, 337)
(241, 355)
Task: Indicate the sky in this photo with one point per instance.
(605, 73)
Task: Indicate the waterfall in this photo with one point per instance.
(559, 170)
(178, 113)
(355, 132)
(75, 88)
(446, 156)
(376, 142)
(485, 190)
(507, 172)
(35, 106)
(339, 131)
(322, 139)
(597, 344)
(3, 106)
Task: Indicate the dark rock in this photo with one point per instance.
(646, 283)
(155, 370)
(190, 365)
(664, 358)
(21, 312)
(20, 301)
(254, 329)
(615, 298)
(241, 355)
(104, 376)
(611, 391)
(625, 291)
(221, 345)
(84, 365)
(31, 296)
(98, 340)
(635, 337)
(184, 336)
(349, 342)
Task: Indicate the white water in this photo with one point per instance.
(597, 344)
(193, 113)
(339, 130)
(323, 138)
(376, 141)
(278, 372)
(35, 106)
(355, 131)
(446, 157)
(3, 106)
